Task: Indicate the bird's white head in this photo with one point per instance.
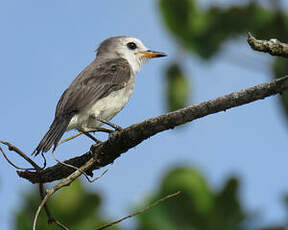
(129, 48)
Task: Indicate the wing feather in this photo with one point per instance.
(93, 85)
(95, 82)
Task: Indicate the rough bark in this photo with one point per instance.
(272, 46)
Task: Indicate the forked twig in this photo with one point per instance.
(98, 177)
(43, 202)
(76, 168)
(65, 182)
(140, 211)
(13, 148)
(51, 219)
(19, 152)
(11, 163)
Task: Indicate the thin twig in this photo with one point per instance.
(11, 147)
(11, 163)
(98, 177)
(69, 138)
(140, 211)
(43, 202)
(23, 155)
(73, 167)
(51, 219)
(61, 225)
(65, 182)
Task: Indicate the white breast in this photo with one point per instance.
(106, 108)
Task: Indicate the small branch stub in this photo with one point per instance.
(272, 46)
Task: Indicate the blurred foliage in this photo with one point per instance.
(72, 206)
(202, 32)
(280, 69)
(197, 207)
(177, 88)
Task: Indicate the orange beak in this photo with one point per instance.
(151, 54)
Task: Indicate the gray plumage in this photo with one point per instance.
(96, 81)
(101, 90)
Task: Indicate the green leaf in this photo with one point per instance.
(189, 210)
(197, 207)
(203, 31)
(228, 212)
(177, 15)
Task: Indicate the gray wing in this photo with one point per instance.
(94, 83)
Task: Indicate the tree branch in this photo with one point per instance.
(119, 142)
(20, 153)
(65, 182)
(13, 148)
(273, 46)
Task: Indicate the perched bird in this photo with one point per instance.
(100, 91)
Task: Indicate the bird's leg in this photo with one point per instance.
(116, 127)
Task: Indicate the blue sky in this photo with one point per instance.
(44, 45)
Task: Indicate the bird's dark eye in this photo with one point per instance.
(131, 45)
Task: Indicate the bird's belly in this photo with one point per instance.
(105, 108)
(109, 106)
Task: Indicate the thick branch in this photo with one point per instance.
(273, 46)
(120, 142)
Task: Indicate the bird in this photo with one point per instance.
(100, 91)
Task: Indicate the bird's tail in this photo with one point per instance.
(53, 136)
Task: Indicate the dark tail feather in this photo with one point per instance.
(53, 136)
